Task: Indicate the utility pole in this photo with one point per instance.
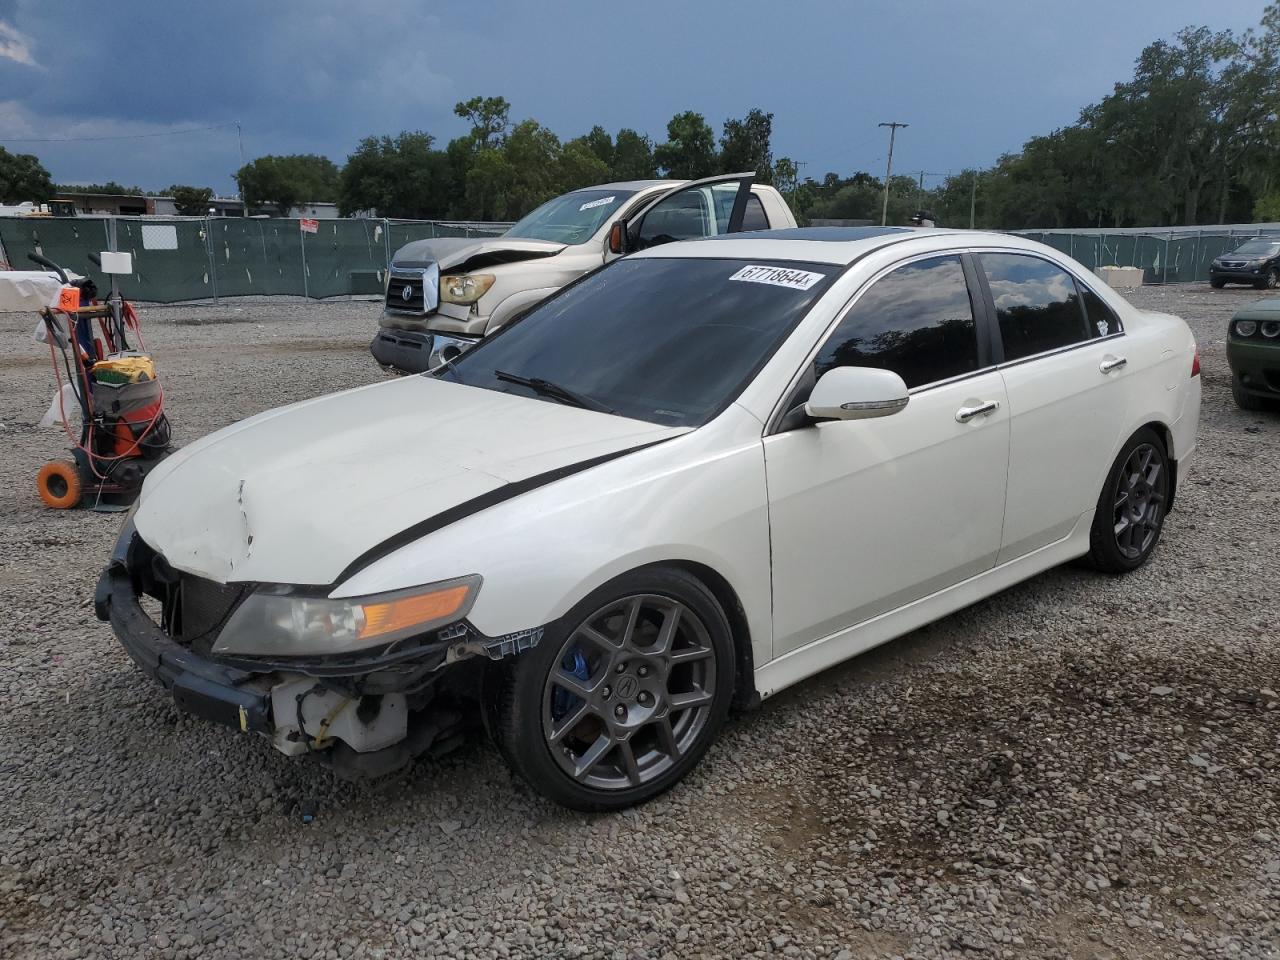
(244, 208)
(888, 173)
(973, 199)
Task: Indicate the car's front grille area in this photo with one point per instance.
(193, 610)
(1233, 264)
(196, 609)
(405, 294)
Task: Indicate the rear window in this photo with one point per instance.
(1037, 304)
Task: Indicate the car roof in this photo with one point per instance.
(632, 185)
(836, 245)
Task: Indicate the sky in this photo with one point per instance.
(973, 79)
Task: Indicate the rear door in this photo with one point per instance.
(1063, 359)
(702, 208)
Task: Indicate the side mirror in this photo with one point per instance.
(856, 393)
(618, 237)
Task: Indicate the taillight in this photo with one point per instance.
(1195, 363)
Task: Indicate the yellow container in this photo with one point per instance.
(136, 369)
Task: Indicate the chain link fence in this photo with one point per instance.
(1177, 255)
(178, 259)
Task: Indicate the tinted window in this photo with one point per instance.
(1102, 319)
(1036, 303)
(754, 218)
(671, 341)
(916, 321)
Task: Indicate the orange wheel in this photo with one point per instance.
(58, 484)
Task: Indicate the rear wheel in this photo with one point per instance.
(623, 696)
(58, 484)
(1131, 508)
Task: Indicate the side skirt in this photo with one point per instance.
(813, 657)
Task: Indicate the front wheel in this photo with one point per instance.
(1217, 284)
(1246, 400)
(623, 695)
(1131, 508)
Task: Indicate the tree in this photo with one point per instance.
(690, 150)
(284, 182)
(23, 178)
(398, 177)
(745, 145)
(191, 201)
(579, 166)
(632, 156)
(785, 176)
(110, 188)
(599, 143)
(487, 116)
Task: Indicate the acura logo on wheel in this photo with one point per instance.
(406, 293)
(627, 688)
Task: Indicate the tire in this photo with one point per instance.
(620, 739)
(1245, 400)
(1130, 513)
(1273, 279)
(58, 484)
(1217, 284)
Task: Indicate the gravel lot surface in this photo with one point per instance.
(1080, 767)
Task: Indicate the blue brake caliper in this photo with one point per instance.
(562, 701)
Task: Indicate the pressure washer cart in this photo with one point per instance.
(118, 429)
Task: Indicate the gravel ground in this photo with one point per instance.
(1080, 767)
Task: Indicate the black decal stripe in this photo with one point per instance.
(475, 505)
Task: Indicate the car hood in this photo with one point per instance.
(294, 495)
(470, 253)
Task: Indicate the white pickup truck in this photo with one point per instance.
(445, 295)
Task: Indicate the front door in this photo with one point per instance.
(702, 208)
(868, 515)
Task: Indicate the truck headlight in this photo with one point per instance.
(286, 621)
(465, 287)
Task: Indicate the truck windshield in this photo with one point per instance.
(573, 218)
(668, 340)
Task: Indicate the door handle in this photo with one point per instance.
(1112, 363)
(965, 414)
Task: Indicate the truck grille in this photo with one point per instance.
(405, 294)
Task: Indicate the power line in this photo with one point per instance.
(126, 136)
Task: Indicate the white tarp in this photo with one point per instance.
(26, 291)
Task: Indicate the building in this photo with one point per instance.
(136, 205)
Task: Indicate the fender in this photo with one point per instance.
(516, 304)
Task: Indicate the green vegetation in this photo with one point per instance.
(23, 178)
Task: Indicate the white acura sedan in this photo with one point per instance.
(692, 478)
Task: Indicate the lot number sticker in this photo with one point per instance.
(777, 277)
(602, 202)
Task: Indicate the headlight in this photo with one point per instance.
(465, 287)
(1271, 329)
(1246, 328)
(281, 621)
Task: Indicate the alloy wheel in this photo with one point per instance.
(629, 693)
(1141, 488)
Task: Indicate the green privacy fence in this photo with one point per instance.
(1164, 256)
(193, 259)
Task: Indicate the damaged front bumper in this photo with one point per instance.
(365, 716)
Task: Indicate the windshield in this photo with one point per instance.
(1257, 248)
(671, 341)
(573, 218)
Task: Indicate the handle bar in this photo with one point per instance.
(46, 262)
